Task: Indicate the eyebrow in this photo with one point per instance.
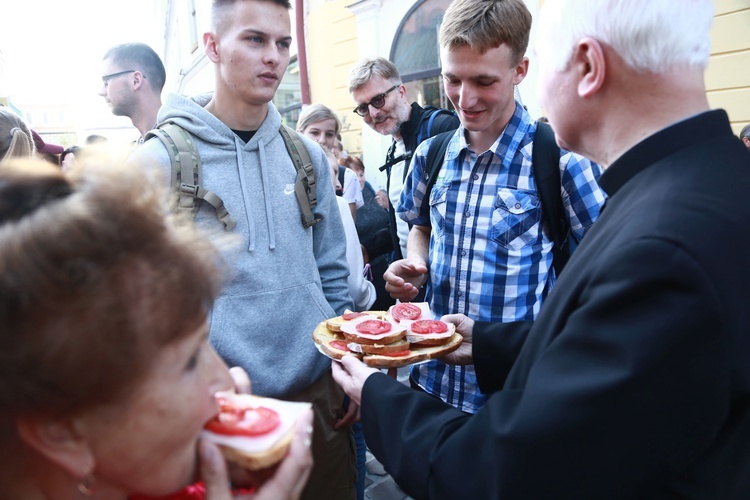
(264, 34)
(483, 76)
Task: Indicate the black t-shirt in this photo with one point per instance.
(245, 135)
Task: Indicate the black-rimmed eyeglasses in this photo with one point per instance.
(376, 102)
(107, 78)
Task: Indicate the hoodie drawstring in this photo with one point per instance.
(239, 146)
(266, 197)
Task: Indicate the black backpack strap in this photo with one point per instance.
(427, 121)
(305, 187)
(545, 159)
(186, 175)
(433, 164)
(342, 177)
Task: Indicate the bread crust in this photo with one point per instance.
(385, 339)
(259, 460)
(417, 355)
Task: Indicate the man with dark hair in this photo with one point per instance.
(375, 85)
(286, 277)
(133, 77)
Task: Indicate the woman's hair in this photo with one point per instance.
(15, 137)
(681, 27)
(95, 278)
(487, 24)
(315, 113)
(354, 163)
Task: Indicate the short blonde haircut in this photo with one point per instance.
(486, 24)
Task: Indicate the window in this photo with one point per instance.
(288, 98)
(416, 53)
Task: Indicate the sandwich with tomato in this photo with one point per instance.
(406, 335)
(335, 324)
(252, 431)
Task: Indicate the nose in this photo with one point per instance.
(221, 378)
(271, 54)
(102, 90)
(466, 97)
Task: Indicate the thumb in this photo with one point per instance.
(214, 472)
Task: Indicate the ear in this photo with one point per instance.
(590, 66)
(521, 70)
(59, 441)
(137, 79)
(210, 47)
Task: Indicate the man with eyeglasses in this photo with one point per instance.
(133, 77)
(375, 84)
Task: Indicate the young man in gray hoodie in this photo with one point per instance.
(285, 278)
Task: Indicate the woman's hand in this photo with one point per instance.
(284, 481)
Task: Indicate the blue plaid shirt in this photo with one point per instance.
(488, 257)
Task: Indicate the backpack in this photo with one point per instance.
(545, 158)
(186, 175)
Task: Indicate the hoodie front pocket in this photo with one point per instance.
(515, 214)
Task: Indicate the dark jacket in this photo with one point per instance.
(634, 382)
(414, 131)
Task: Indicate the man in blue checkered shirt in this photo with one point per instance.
(482, 251)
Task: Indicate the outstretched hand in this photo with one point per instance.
(465, 326)
(350, 373)
(404, 277)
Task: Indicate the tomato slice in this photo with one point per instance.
(429, 326)
(405, 310)
(396, 354)
(373, 327)
(351, 315)
(340, 345)
(236, 420)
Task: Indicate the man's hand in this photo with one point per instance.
(350, 418)
(464, 326)
(350, 373)
(404, 277)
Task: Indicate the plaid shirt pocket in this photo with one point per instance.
(514, 217)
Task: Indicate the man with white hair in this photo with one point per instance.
(634, 381)
(745, 135)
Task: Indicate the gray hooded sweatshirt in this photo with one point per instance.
(285, 279)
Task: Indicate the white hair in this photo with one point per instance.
(649, 35)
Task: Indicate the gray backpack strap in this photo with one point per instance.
(305, 186)
(186, 172)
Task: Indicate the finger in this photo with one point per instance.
(214, 472)
(241, 380)
(292, 474)
(350, 417)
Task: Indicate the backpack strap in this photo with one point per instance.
(342, 177)
(545, 158)
(433, 164)
(305, 187)
(186, 175)
(425, 132)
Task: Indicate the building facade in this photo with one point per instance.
(338, 32)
